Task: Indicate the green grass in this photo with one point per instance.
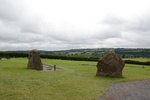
(138, 59)
(75, 81)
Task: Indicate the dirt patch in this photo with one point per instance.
(136, 90)
(3, 58)
(50, 68)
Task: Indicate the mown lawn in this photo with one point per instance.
(75, 80)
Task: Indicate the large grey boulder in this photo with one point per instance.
(110, 65)
(34, 60)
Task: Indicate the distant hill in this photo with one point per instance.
(99, 52)
(96, 52)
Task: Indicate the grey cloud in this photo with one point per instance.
(138, 24)
(112, 20)
(17, 26)
(14, 13)
(9, 10)
(114, 28)
(135, 32)
(20, 30)
(141, 24)
(110, 33)
(141, 28)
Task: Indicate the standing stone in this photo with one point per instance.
(34, 60)
(110, 65)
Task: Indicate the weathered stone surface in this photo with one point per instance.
(110, 65)
(34, 60)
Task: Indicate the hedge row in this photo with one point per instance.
(136, 62)
(77, 58)
(12, 54)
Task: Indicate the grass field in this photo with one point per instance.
(138, 59)
(75, 80)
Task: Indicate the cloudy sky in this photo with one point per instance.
(74, 24)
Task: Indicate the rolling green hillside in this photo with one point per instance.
(83, 53)
(99, 52)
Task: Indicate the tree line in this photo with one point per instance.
(47, 56)
(77, 58)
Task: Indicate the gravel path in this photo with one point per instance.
(136, 90)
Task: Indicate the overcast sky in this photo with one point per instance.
(74, 24)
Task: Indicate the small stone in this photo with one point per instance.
(110, 65)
